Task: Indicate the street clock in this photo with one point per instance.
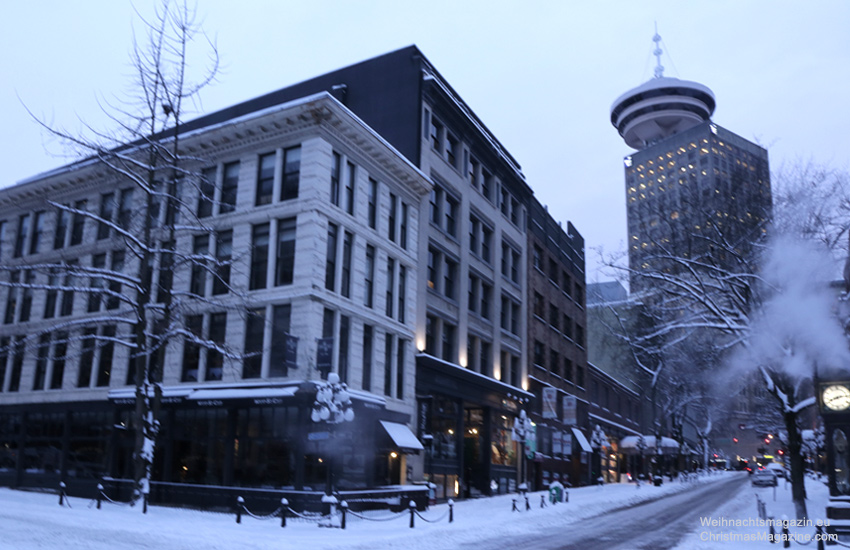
(835, 397)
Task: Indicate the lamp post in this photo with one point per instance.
(428, 441)
(331, 407)
(597, 441)
(521, 431)
(641, 447)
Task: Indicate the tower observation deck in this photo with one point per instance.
(660, 108)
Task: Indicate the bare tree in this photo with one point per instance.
(141, 158)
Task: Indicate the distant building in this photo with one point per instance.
(691, 182)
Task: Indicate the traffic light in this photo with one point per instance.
(780, 452)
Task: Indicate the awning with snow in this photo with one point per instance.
(629, 445)
(582, 441)
(402, 437)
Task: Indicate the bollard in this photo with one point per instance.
(513, 505)
(819, 536)
(61, 493)
(451, 510)
(566, 496)
(344, 507)
(543, 501)
(239, 503)
(412, 507)
(99, 494)
(786, 542)
(527, 505)
(145, 503)
(772, 531)
(283, 505)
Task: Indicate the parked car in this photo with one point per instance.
(764, 478)
(778, 469)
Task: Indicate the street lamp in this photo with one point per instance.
(521, 431)
(331, 407)
(597, 441)
(428, 441)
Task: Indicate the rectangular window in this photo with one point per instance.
(60, 351)
(223, 258)
(107, 211)
(487, 185)
(373, 203)
(285, 261)
(390, 285)
(21, 238)
(436, 131)
(515, 318)
(265, 178)
(505, 202)
(515, 211)
(450, 276)
(568, 369)
(107, 349)
(402, 237)
(206, 196)
(538, 305)
(200, 265)
(580, 335)
(388, 364)
(350, 183)
(259, 256)
(399, 369)
(42, 354)
(554, 362)
(280, 339)
(125, 209)
(449, 342)
(368, 343)
(515, 259)
(484, 357)
(252, 362)
(2, 235)
(431, 335)
(78, 222)
(474, 234)
(344, 336)
(98, 262)
(539, 353)
(436, 206)
(18, 350)
(68, 295)
(291, 173)
(392, 217)
(62, 217)
(50, 294)
(554, 314)
(330, 261)
(37, 229)
(86, 358)
(486, 296)
(553, 270)
(433, 268)
(215, 359)
(506, 259)
(474, 284)
(345, 282)
(567, 327)
(229, 187)
(451, 216)
(336, 168)
(369, 283)
(192, 349)
(114, 300)
(486, 243)
(402, 292)
(26, 296)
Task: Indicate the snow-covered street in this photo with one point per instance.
(35, 520)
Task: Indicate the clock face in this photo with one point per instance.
(836, 398)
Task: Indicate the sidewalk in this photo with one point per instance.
(35, 520)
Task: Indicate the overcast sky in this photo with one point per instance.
(541, 75)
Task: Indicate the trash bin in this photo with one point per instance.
(556, 492)
(657, 481)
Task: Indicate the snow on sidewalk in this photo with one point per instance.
(736, 525)
(35, 520)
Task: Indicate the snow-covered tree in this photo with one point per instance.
(141, 157)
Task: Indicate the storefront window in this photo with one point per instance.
(444, 424)
(502, 448)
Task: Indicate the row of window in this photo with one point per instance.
(559, 277)
(448, 147)
(556, 364)
(558, 321)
